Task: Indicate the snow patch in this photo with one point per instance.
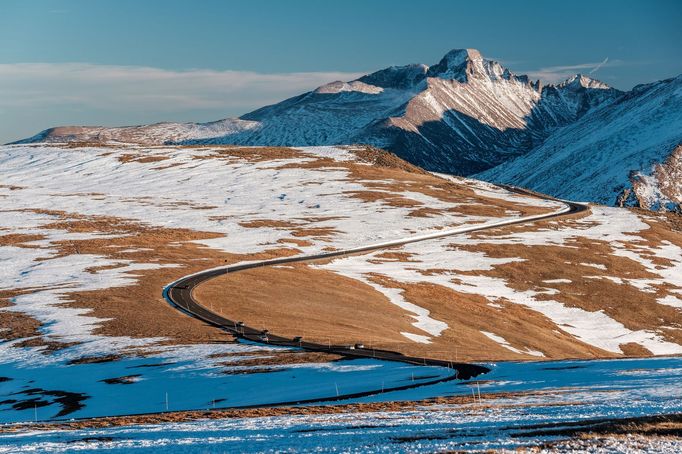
(503, 342)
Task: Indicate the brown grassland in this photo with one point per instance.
(321, 306)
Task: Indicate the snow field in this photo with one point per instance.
(571, 391)
(616, 226)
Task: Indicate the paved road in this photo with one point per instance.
(179, 293)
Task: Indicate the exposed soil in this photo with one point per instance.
(68, 401)
(125, 380)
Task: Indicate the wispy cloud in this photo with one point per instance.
(554, 74)
(120, 88)
(596, 68)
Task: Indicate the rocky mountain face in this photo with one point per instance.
(471, 114)
(625, 153)
(463, 115)
(661, 190)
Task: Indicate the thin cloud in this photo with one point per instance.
(121, 88)
(596, 68)
(553, 74)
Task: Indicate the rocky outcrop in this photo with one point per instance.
(662, 189)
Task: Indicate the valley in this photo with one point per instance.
(444, 257)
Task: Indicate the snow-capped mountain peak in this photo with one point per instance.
(457, 57)
(581, 80)
(464, 65)
(462, 115)
(459, 65)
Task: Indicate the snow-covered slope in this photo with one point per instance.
(89, 235)
(622, 153)
(157, 133)
(473, 114)
(464, 114)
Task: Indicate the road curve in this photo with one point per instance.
(179, 294)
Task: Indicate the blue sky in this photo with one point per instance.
(125, 62)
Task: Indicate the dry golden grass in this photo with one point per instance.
(142, 159)
(284, 301)
(138, 310)
(325, 307)
(300, 301)
(624, 302)
(19, 239)
(260, 154)
(388, 173)
(341, 310)
(16, 325)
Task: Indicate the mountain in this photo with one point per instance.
(627, 153)
(472, 114)
(464, 114)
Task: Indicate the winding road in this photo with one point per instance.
(180, 294)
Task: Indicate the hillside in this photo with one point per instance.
(97, 244)
(626, 152)
(91, 235)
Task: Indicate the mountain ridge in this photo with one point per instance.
(462, 115)
(468, 115)
(627, 153)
